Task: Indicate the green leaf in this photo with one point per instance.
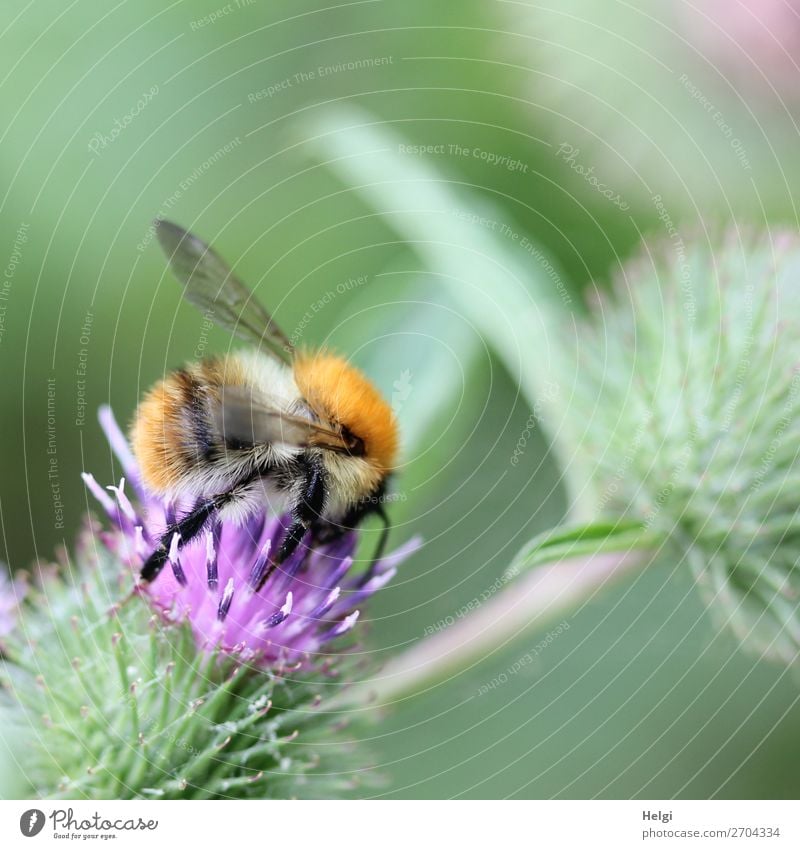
(570, 541)
(501, 282)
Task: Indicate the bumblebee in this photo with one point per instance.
(301, 431)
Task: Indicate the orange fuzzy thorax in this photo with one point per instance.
(341, 394)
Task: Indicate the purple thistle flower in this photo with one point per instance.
(12, 592)
(755, 40)
(311, 600)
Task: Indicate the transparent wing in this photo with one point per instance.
(211, 286)
(246, 419)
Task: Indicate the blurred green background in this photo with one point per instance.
(209, 114)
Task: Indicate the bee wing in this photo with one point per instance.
(246, 419)
(211, 285)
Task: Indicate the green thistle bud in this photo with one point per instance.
(682, 410)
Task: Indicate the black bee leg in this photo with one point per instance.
(188, 527)
(305, 513)
(330, 532)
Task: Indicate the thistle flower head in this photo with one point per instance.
(310, 601)
(198, 687)
(684, 415)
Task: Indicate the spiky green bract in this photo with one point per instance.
(105, 700)
(682, 410)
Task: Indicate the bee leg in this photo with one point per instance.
(330, 532)
(327, 532)
(187, 528)
(305, 513)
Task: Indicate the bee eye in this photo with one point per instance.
(355, 444)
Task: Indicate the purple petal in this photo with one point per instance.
(326, 604)
(260, 566)
(396, 557)
(124, 503)
(343, 627)
(97, 491)
(119, 445)
(225, 601)
(372, 586)
(282, 614)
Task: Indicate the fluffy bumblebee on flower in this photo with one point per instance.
(235, 522)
